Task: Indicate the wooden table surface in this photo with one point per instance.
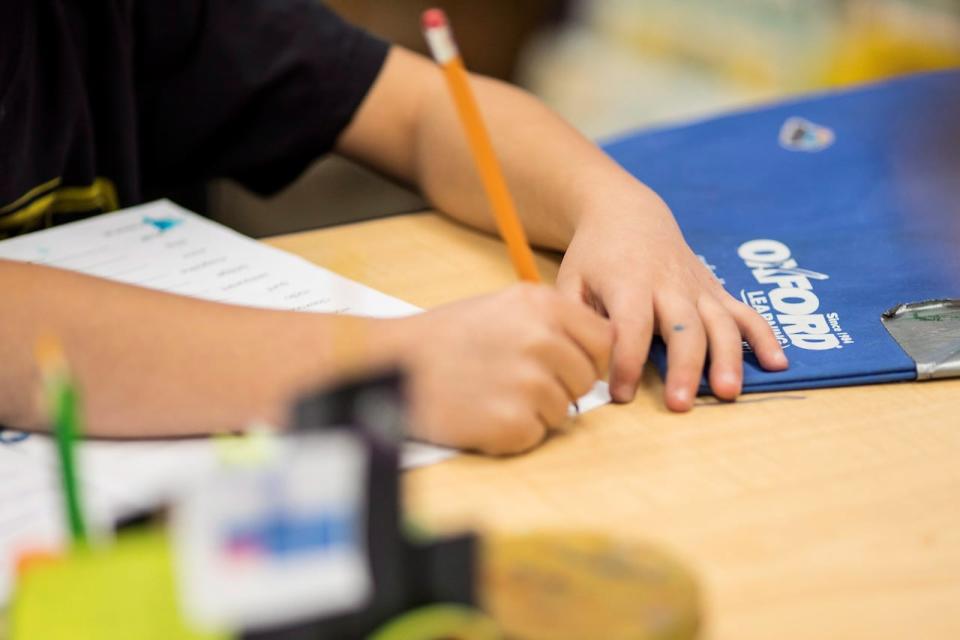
(805, 514)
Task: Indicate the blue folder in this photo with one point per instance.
(822, 213)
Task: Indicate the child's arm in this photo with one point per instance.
(625, 255)
(156, 364)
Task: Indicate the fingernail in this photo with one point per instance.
(729, 378)
(682, 395)
(781, 359)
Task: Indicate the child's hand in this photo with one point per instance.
(495, 373)
(636, 268)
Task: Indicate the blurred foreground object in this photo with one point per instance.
(302, 535)
(571, 586)
(120, 592)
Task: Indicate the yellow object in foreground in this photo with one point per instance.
(117, 592)
(438, 621)
(572, 586)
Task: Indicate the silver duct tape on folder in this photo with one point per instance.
(929, 332)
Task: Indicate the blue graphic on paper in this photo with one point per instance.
(162, 224)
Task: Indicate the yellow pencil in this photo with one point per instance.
(440, 39)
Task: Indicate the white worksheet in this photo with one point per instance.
(163, 246)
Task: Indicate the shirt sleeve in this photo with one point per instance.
(253, 90)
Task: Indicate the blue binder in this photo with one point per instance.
(822, 213)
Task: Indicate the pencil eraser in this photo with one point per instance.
(436, 29)
(433, 18)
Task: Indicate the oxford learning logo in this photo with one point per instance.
(788, 302)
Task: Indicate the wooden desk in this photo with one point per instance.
(809, 514)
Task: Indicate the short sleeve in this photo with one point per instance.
(253, 90)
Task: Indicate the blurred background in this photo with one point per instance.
(611, 66)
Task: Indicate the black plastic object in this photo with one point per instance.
(406, 575)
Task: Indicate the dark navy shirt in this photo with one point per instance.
(106, 103)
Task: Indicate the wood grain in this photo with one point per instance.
(810, 514)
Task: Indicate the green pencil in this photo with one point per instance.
(64, 412)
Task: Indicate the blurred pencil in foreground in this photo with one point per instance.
(439, 37)
(62, 404)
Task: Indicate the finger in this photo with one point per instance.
(632, 317)
(553, 403)
(725, 348)
(570, 287)
(681, 328)
(568, 363)
(589, 331)
(758, 334)
(514, 427)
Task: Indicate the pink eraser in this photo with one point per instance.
(433, 18)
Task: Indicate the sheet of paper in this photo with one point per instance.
(162, 246)
(165, 247)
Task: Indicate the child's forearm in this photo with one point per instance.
(154, 364)
(151, 363)
(555, 174)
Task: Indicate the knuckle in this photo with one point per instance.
(530, 382)
(582, 381)
(724, 325)
(539, 341)
(556, 418)
(523, 293)
(515, 433)
(722, 314)
(541, 302)
(528, 435)
(550, 299)
(555, 411)
(534, 292)
(748, 313)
